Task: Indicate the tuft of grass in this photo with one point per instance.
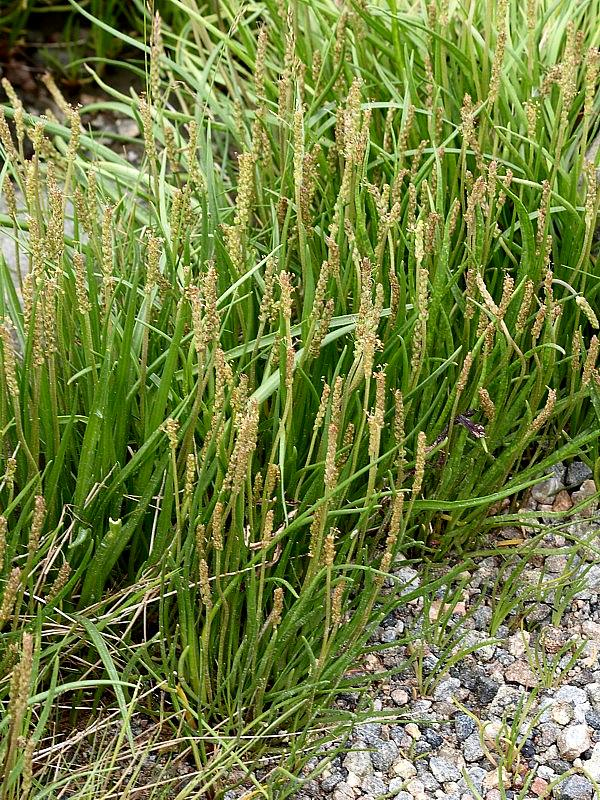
(342, 306)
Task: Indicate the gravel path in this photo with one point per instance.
(507, 701)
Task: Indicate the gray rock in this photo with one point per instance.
(368, 732)
(433, 738)
(409, 577)
(577, 473)
(593, 691)
(343, 792)
(359, 761)
(477, 776)
(486, 689)
(374, 785)
(574, 788)
(403, 796)
(329, 783)
(384, 754)
(547, 733)
(472, 749)
(546, 490)
(444, 769)
(464, 725)
(573, 741)
(593, 719)
(446, 689)
(570, 694)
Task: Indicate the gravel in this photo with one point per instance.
(523, 675)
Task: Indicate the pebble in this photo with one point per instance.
(486, 689)
(592, 718)
(416, 788)
(464, 725)
(562, 713)
(404, 768)
(472, 749)
(587, 490)
(413, 730)
(359, 762)
(444, 769)
(592, 764)
(547, 489)
(520, 672)
(577, 472)
(400, 697)
(384, 755)
(539, 787)
(576, 787)
(573, 741)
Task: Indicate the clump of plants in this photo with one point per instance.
(343, 304)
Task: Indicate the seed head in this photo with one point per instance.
(337, 598)
(487, 404)
(170, 427)
(545, 413)
(525, 307)
(10, 594)
(277, 607)
(590, 361)
(588, 311)
(217, 520)
(60, 581)
(205, 592)
(37, 523)
(419, 464)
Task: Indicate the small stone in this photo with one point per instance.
(403, 796)
(573, 741)
(574, 788)
(413, 731)
(547, 733)
(368, 733)
(343, 792)
(562, 502)
(539, 787)
(433, 738)
(528, 749)
(400, 697)
(446, 689)
(556, 565)
(472, 749)
(329, 783)
(562, 713)
(464, 726)
(577, 473)
(353, 780)
(521, 673)
(444, 769)
(549, 488)
(493, 794)
(416, 788)
(404, 768)
(593, 691)
(592, 764)
(359, 762)
(588, 489)
(374, 786)
(493, 779)
(383, 755)
(517, 643)
(553, 638)
(485, 689)
(571, 694)
(593, 719)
